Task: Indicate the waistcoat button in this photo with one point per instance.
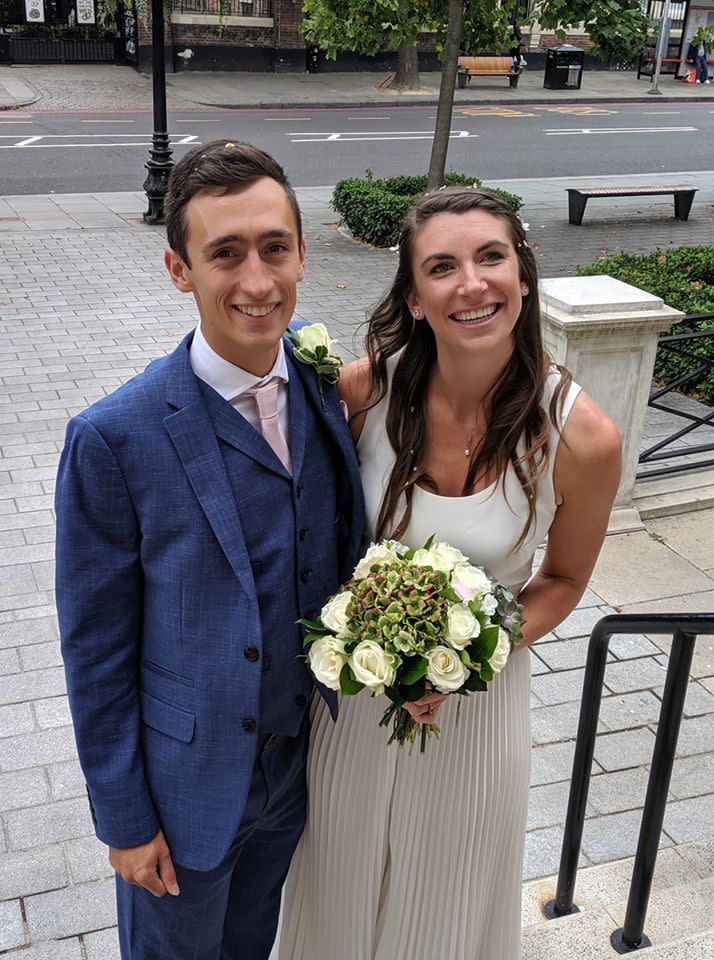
(301, 700)
(251, 653)
(305, 574)
(249, 725)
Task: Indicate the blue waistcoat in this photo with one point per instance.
(296, 571)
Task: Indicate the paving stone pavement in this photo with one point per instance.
(84, 304)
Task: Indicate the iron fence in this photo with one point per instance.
(700, 362)
(684, 629)
(225, 8)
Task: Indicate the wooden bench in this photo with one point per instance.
(578, 197)
(487, 67)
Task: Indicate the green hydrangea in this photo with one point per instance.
(401, 607)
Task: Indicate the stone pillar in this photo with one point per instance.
(605, 332)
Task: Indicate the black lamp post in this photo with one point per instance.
(160, 163)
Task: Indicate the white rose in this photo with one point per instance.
(373, 666)
(424, 558)
(445, 672)
(469, 582)
(334, 613)
(312, 336)
(381, 553)
(327, 658)
(489, 604)
(461, 626)
(447, 556)
(502, 651)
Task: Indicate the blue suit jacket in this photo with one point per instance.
(144, 511)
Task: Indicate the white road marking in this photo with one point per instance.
(574, 132)
(293, 119)
(107, 121)
(196, 121)
(362, 119)
(31, 144)
(369, 135)
(191, 138)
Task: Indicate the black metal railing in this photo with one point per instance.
(699, 363)
(225, 8)
(684, 629)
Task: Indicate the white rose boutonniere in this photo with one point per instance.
(312, 345)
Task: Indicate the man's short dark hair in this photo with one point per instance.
(218, 164)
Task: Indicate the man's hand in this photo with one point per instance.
(148, 866)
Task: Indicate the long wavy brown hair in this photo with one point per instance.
(513, 404)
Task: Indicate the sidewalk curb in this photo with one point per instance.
(430, 102)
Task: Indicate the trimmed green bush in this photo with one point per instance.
(684, 278)
(374, 209)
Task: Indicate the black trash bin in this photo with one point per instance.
(312, 58)
(564, 68)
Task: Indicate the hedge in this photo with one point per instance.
(684, 278)
(374, 209)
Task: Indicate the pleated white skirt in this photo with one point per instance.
(409, 856)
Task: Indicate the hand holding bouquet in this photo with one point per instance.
(410, 621)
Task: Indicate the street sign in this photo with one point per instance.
(85, 11)
(35, 11)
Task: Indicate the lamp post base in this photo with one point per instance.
(157, 179)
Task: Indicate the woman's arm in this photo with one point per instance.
(354, 386)
(586, 477)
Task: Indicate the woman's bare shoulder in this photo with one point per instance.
(354, 386)
(591, 447)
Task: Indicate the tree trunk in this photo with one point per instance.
(442, 128)
(407, 75)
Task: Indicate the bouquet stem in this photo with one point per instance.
(405, 729)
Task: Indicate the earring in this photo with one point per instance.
(524, 289)
(417, 312)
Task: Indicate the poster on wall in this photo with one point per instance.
(85, 11)
(35, 11)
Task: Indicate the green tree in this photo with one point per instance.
(617, 28)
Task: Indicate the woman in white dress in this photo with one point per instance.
(464, 430)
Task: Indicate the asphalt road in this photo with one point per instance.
(90, 152)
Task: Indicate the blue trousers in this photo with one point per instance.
(702, 68)
(231, 912)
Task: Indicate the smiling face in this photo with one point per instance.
(246, 260)
(467, 282)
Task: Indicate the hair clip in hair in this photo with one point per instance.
(230, 146)
(522, 243)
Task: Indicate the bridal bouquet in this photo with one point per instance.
(410, 621)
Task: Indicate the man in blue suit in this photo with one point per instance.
(202, 509)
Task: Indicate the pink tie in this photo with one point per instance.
(266, 399)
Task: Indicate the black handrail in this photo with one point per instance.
(684, 629)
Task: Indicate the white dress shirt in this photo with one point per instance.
(231, 381)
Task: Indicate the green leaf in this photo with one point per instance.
(312, 637)
(430, 541)
(349, 686)
(474, 683)
(317, 626)
(413, 670)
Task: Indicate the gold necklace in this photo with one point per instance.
(470, 435)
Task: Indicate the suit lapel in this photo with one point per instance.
(230, 426)
(297, 416)
(193, 435)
